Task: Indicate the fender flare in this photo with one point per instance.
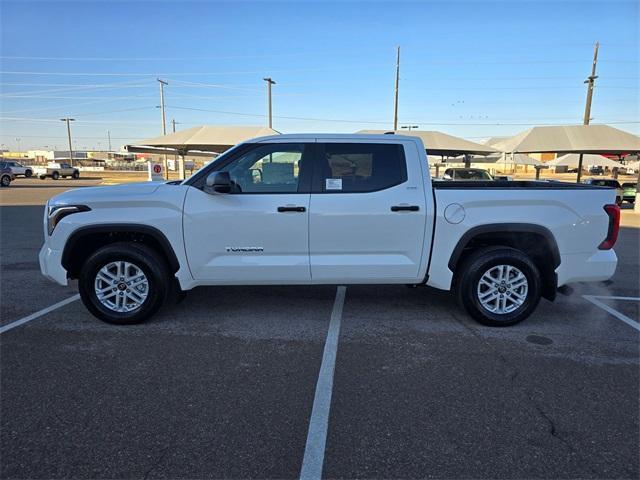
(153, 232)
(499, 228)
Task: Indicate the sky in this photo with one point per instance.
(475, 69)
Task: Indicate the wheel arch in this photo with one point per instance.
(86, 240)
(534, 240)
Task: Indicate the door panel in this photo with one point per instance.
(358, 237)
(258, 233)
(243, 239)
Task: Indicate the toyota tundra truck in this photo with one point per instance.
(329, 209)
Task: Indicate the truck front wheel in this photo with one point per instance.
(499, 286)
(55, 175)
(124, 283)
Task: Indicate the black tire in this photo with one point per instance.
(76, 175)
(28, 173)
(55, 175)
(476, 265)
(152, 265)
(5, 181)
(42, 177)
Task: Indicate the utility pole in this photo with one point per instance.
(173, 125)
(395, 103)
(590, 81)
(68, 120)
(164, 124)
(109, 137)
(269, 83)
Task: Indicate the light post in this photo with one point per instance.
(69, 120)
(269, 83)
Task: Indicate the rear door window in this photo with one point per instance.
(359, 167)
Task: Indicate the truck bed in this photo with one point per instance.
(512, 185)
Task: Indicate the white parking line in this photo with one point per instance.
(39, 313)
(318, 424)
(595, 299)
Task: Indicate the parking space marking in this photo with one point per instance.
(39, 313)
(595, 299)
(313, 459)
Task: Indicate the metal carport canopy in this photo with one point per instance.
(571, 139)
(206, 138)
(438, 143)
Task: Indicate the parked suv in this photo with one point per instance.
(18, 169)
(629, 192)
(608, 182)
(6, 175)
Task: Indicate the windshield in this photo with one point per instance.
(471, 175)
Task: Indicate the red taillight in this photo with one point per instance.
(614, 227)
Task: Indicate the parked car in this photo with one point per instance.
(596, 170)
(329, 209)
(607, 182)
(466, 174)
(629, 192)
(19, 169)
(6, 175)
(57, 170)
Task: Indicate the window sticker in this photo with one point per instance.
(333, 184)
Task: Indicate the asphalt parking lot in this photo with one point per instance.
(229, 383)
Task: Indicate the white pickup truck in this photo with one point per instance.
(329, 209)
(56, 170)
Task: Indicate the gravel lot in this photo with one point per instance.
(222, 385)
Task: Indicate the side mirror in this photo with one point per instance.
(219, 182)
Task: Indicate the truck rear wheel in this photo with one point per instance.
(124, 283)
(499, 286)
(28, 173)
(5, 181)
(55, 175)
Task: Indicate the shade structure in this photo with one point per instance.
(518, 159)
(207, 138)
(571, 139)
(572, 160)
(438, 143)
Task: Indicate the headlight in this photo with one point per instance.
(56, 213)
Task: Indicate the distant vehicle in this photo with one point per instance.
(466, 174)
(57, 170)
(6, 175)
(629, 192)
(608, 182)
(18, 169)
(596, 171)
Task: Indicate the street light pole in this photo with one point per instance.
(109, 137)
(590, 81)
(269, 83)
(68, 120)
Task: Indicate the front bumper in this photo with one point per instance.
(51, 265)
